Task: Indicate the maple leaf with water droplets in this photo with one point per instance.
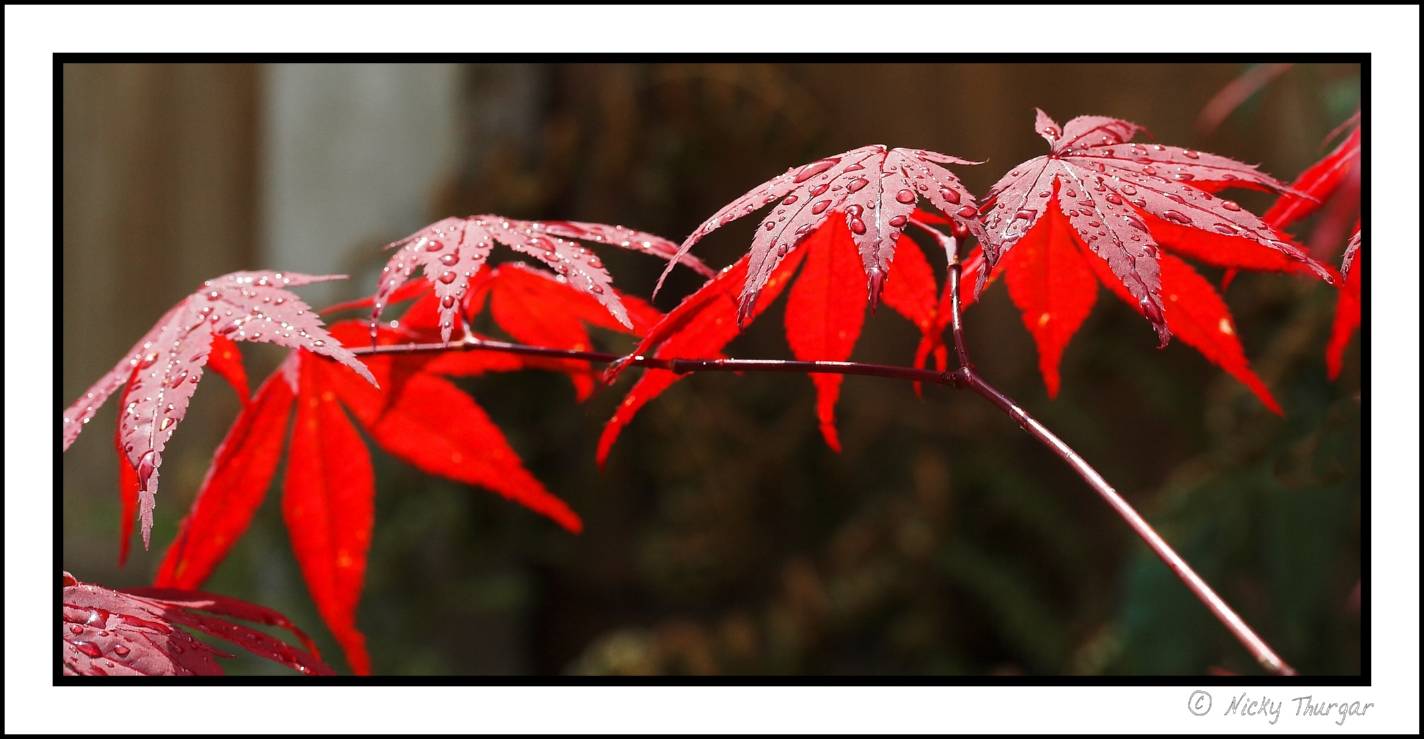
(135, 632)
(1118, 197)
(873, 190)
(452, 251)
(825, 313)
(160, 373)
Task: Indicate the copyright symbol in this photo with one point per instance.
(1199, 703)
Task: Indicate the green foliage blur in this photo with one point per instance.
(723, 537)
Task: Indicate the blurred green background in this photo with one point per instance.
(723, 537)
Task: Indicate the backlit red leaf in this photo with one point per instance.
(109, 632)
(452, 251)
(824, 314)
(437, 428)
(1054, 290)
(1347, 307)
(1199, 317)
(1106, 186)
(232, 490)
(1318, 182)
(699, 327)
(328, 502)
(534, 308)
(162, 371)
(873, 190)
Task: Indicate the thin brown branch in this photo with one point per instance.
(680, 366)
(967, 378)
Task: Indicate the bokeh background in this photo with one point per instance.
(723, 537)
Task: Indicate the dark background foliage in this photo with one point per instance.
(723, 537)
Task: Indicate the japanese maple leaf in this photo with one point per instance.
(873, 190)
(1330, 186)
(137, 632)
(1053, 280)
(533, 307)
(1347, 306)
(159, 375)
(1121, 202)
(452, 251)
(1318, 182)
(824, 316)
(329, 489)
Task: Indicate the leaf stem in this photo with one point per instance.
(965, 377)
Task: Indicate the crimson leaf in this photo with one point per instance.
(1115, 195)
(135, 632)
(452, 251)
(873, 189)
(161, 372)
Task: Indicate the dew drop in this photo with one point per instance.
(813, 169)
(88, 648)
(145, 467)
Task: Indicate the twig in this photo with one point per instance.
(967, 378)
(681, 366)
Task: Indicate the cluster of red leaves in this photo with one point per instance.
(1096, 209)
(1099, 209)
(824, 316)
(405, 403)
(416, 414)
(845, 217)
(136, 632)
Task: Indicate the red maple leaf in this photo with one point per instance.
(1347, 306)
(1319, 181)
(1099, 209)
(1335, 179)
(136, 632)
(824, 315)
(873, 190)
(452, 251)
(533, 307)
(329, 490)
(159, 375)
(1122, 201)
